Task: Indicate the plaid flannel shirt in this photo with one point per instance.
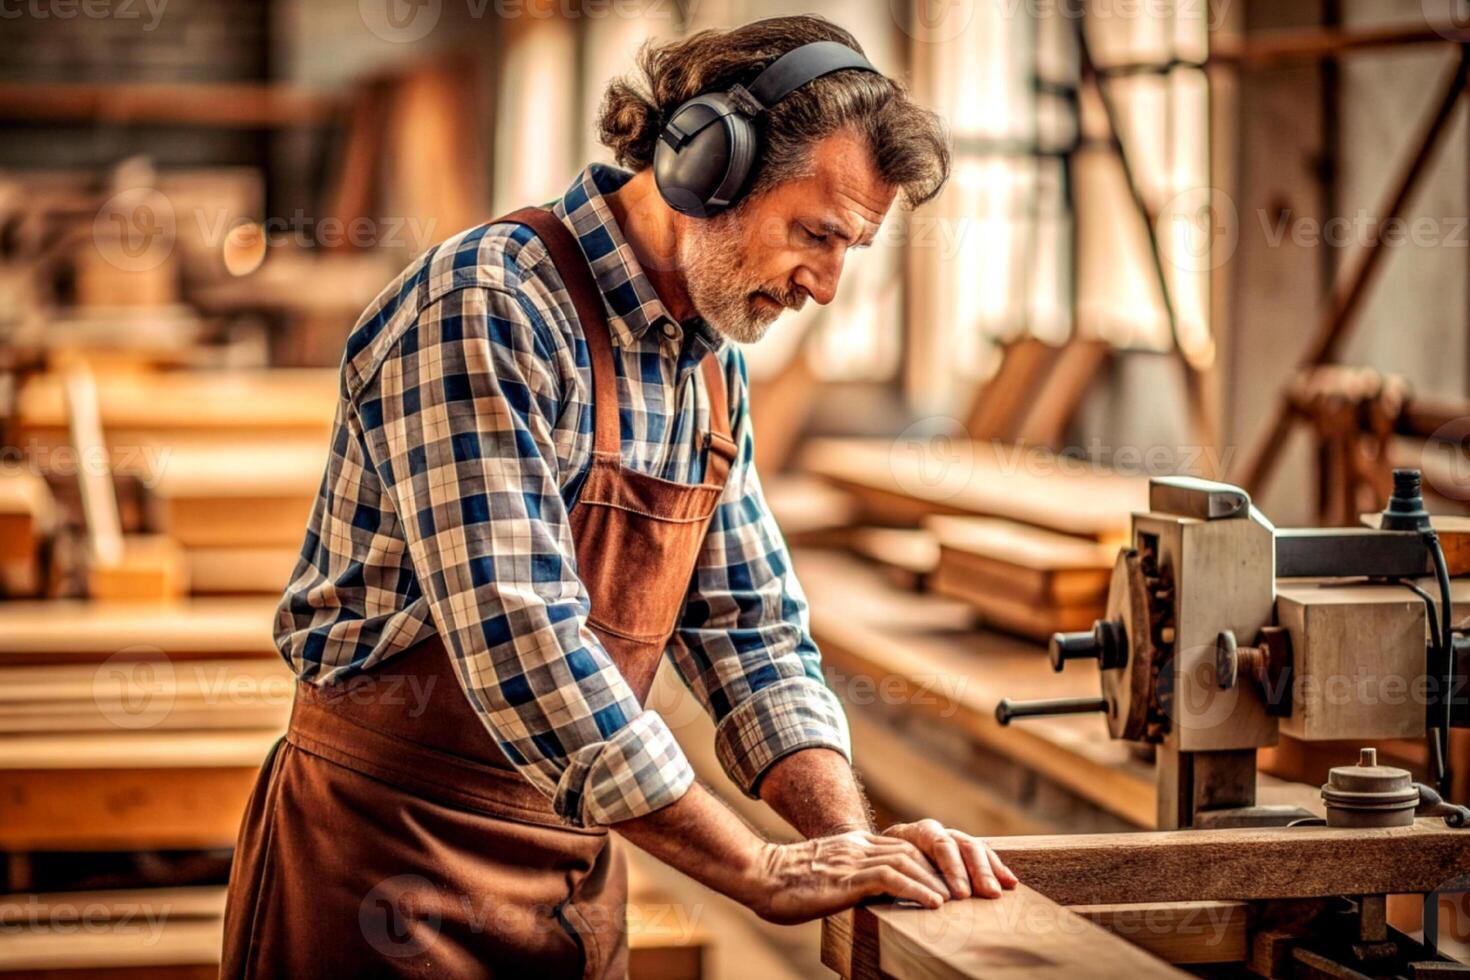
(462, 436)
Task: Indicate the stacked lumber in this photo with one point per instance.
(1021, 578)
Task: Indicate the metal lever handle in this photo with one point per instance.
(1107, 641)
(1008, 709)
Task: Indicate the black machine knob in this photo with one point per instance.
(1107, 641)
(1008, 709)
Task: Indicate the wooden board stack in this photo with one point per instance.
(1021, 578)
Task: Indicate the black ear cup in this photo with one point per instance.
(703, 156)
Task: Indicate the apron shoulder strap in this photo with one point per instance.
(722, 448)
(576, 275)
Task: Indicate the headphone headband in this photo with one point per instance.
(801, 65)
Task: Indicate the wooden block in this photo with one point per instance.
(1238, 865)
(151, 569)
(1021, 578)
(1057, 569)
(1178, 932)
(1021, 933)
(1358, 656)
(27, 517)
(102, 282)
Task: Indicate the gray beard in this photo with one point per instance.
(719, 287)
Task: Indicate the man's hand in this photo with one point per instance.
(822, 876)
(968, 866)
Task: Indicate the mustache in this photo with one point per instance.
(792, 299)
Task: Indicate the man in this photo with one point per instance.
(540, 483)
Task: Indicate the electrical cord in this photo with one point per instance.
(1438, 749)
(1446, 651)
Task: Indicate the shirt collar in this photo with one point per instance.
(633, 305)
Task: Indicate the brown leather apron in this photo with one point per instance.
(387, 835)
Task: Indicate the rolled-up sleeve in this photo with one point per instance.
(743, 644)
(460, 424)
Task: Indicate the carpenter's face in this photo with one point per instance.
(744, 268)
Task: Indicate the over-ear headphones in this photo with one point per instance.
(707, 149)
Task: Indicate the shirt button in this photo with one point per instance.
(671, 331)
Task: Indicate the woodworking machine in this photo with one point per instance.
(1223, 631)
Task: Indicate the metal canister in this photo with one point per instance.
(1370, 795)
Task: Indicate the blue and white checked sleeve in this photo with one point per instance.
(743, 644)
(459, 423)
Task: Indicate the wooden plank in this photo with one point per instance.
(134, 790)
(75, 631)
(1020, 934)
(901, 482)
(138, 406)
(1022, 578)
(1002, 400)
(1178, 932)
(213, 104)
(243, 694)
(1238, 865)
(1051, 409)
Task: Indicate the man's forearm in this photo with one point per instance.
(816, 792)
(702, 837)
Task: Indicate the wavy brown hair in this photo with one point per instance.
(907, 141)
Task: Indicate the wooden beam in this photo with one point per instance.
(1238, 865)
(1178, 932)
(233, 104)
(1020, 934)
(1358, 278)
